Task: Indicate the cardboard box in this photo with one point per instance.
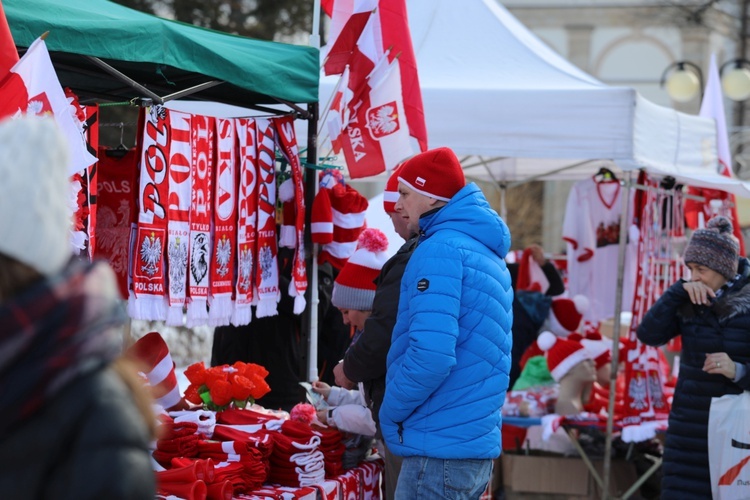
(557, 475)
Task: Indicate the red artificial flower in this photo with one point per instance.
(241, 387)
(221, 392)
(192, 394)
(196, 373)
(260, 388)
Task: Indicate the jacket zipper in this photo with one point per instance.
(401, 432)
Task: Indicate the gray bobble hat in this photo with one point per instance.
(714, 247)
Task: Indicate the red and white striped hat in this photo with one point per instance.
(354, 287)
(152, 355)
(390, 193)
(337, 219)
(562, 354)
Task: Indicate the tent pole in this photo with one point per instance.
(624, 217)
(112, 71)
(310, 318)
(315, 32)
(192, 90)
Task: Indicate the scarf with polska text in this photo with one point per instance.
(287, 142)
(202, 145)
(266, 268)
(247, 202)
(178, 214)
(225, 225)
(147, 294)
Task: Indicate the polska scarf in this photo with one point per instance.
(58, 330)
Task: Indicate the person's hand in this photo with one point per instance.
(699, 293)
(341, 378)
(321, 388)
(719, 363)
(537, 253)
(323, 416)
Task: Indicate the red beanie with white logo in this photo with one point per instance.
(436, 173)
(390, 193)
(565, 314)
(562, 354)
(354, 287)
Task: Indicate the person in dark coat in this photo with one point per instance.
(365, 360)
(712, 313)
(76, 420)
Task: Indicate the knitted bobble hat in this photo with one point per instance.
(562, 354)
(714, 247)
(436, 173)
(390, 193)
(354, 287)
(35, 220)
(565, 314)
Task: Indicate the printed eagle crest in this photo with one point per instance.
(223, 255)
(198, 260)
(151, 254)
(383, 120)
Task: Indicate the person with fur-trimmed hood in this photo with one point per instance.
(712, 313)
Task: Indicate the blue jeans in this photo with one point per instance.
(435, 478)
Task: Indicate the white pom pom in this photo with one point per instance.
(286, 190)
(546, 340)
(582, 303)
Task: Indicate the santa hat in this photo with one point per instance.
(36, 222)
(152, 354)
(354, 287)
(530, 274)
(599, 348)
(337, 219)
(287, 231)
(390, 193)
(436, 173)
(565, 314)
(562, 354)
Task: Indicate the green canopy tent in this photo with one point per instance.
(105, 51)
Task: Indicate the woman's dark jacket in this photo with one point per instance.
(723, 326)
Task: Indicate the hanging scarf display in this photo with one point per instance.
(200, 219)
(147, 300)
(225, 225)
(90, 124)
(287, 142)
(178, 214)
(266, 268)
(116, 185)
(247, 202)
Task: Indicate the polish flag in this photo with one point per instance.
(377, 138)
(32, 87)
(712, 107)
(8, 53)
(347, 22)
(387, 28)
(338, 112)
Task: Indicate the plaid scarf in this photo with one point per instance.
(57, 330)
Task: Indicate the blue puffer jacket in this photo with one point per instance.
(450, 351)
(724, 326)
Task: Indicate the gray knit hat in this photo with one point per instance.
(714, 247)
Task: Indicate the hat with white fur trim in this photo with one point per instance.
(562, 354)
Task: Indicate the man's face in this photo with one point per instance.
(399, 225)
(706, 275)
(411, 205)
(355, 318)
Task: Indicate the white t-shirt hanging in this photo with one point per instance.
(592, 230)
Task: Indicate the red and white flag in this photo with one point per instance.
(32, 87)
(338, 112)
(348, 19)
(377, 137)
(712, 106)
(8, 52)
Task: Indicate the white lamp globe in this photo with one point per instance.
(683, 85)
(736, 83)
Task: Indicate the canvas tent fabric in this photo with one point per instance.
(163, 55)
(513, 109)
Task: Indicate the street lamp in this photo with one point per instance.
(683, 81)
(736, 81)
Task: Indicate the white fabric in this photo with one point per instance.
(728, 431)
(350, 413)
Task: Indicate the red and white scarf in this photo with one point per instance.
(147, 295)
(287, 142)
(200, 219)
(266, 268)
(225, 225)
(178, 214)
(247, 202)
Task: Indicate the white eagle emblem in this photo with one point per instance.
(654, 387)
(638, 391)
(245, 269)
(223, 255)
(383, 120)
(266, 261)
(178, 258)
(151, 254)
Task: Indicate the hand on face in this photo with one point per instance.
(699, 292)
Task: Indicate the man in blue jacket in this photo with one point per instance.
(447, 368)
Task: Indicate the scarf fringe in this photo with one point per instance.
(299, 298)
(175, 316)
(150, 308)
(242, 315)
(220, 310)
(197, 313)
(266, 307)
(287, 237)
